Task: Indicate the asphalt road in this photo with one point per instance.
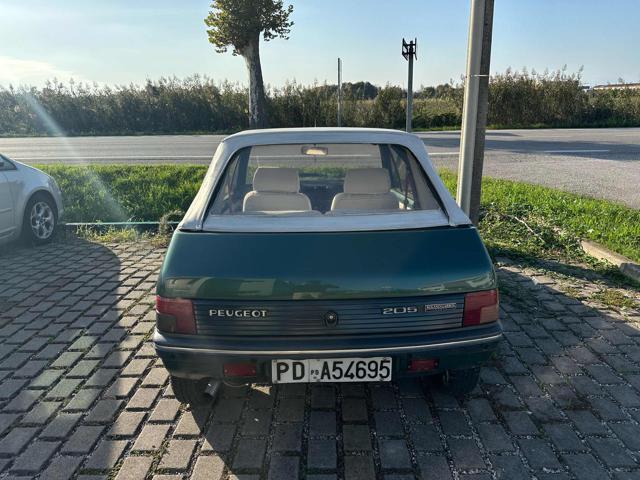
(603, 163)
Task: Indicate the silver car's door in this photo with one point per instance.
(7, 209)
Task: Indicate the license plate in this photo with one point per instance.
(374, 369)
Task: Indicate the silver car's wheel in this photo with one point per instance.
(42, 220)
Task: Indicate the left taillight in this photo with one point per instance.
(480, 307)
(175, 315)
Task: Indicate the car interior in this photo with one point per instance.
(391, 180)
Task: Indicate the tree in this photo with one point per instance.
(238, 24)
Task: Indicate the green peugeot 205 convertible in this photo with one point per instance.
(324, 255)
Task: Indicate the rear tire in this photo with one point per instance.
(461, 382)
(40, 219)
(190, 391)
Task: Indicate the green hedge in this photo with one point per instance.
(197, 104)
(519, 217)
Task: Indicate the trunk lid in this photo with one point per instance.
(265, 267)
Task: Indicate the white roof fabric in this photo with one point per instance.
(196, 218)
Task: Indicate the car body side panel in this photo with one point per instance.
(345, 265)
(7, 210)
(26, 181)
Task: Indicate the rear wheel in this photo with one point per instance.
(461, 382)
(190, 391)
(40, 219)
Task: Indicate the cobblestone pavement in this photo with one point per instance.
(83, 394)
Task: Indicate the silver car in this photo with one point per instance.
(30, 203)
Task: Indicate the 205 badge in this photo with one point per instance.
(402, 310)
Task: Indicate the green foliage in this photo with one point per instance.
(198, 104)
(115, 193)
(540, 221)
(515, 217)
(236, 23)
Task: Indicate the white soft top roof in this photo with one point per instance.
(196, 217)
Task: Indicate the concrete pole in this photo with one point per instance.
(474, 115)
(339, 92)
(410, 95)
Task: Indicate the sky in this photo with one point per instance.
(125, 41)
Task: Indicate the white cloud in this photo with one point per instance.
(17, 71)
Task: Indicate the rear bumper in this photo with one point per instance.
(193, 356)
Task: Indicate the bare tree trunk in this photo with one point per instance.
(257, 99)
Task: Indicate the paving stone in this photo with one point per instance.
(166, 410)
(288, 437)
(356, 437)
(563, 436)
(388, 423)
(539, 453)
(584, 466)
(291, 410)
(61, 425)
(480, 410)
(127, 424)
(136, 468)
(192, 423)
(104, 411)
(35, 457)
(143, 398)
(23, 401)
(587, 423)
(425, 438)
(227, 410)
(509, 467)
(83, 439)
(211, 467)
(465, 453)
(40, 413)
(494, 438)
(354, 409)
(249, 454)
(434, 467)
(83, 399)
(257, 422)
(323, 396)
(151, 437)
(322, 424)
(64, 388)
(611, 453)
(454, 423)
(322, 454)
(416, 409)
(359, 467)
(106, 455)
(628, 433)
(16, 439)
(520, 423)
(219, 437)
(394, 454)
(61, 467)
(121, 388)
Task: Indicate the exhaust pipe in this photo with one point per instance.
(213, 388)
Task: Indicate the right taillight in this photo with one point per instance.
(175, 315)
(480, 307)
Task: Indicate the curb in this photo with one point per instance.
(626, 266)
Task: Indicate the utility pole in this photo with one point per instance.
(474, 115)
(339, 92)
(409, 51)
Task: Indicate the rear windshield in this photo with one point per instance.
(323, 179)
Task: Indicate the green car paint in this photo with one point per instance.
(325, 266)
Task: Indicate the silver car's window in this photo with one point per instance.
(323, 179)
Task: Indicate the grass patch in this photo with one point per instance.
(117, 193)
(538, 221)
(517, 218)
(614, 298)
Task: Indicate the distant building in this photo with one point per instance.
(617, 86)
